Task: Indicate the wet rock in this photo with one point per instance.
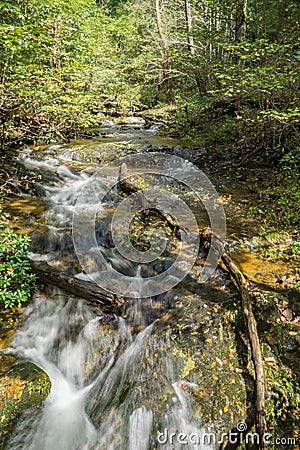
(107, 123)
(207, 355)
(154, 148)
(287, 315)
(131, 121)
(185, 153)
(9, 321)
(291, 343)
(23, 385)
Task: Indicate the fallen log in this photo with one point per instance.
(128, 187)
(74, 286)
(260, 381)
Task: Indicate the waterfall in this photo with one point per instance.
(107, 379)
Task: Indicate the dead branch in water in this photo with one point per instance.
(260, 381)
(75, 286)
(128, 187)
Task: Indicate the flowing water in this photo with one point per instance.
(115, 380)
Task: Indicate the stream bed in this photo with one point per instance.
(159, 372)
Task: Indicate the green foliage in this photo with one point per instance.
(242, 94)
(17, 282)
(40, 386)
(280, 245)
(284, 400)
(284, 201)
(66, 64)
(277, 209)
(258, 94)
(280, 197)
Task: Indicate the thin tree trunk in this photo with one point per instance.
(200, 80)
(189, 28)
(188, 18)
(165, 52)
(210, 32)
(255, 347)
(240, 20)
(240, 26)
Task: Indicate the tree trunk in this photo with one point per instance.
(165, 52)
(240, 20)
(240, 26)
(188, 18)
(200, 82)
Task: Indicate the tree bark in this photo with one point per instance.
(200, 82)
(165, 52)
(188, 18)
(240, 19)
(74, 286)
(240, 26)
(255, 347)
(257, 357)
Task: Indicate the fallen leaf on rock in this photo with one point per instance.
(166, 317)
(270, 360)
(288, 314)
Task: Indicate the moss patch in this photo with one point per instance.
(22, 386)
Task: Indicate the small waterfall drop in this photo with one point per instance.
(106, 394)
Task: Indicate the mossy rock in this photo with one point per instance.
(23, 385)
(130, 121)
(9, 321)
(197, 353)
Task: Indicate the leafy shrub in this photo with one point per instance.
(17, 282)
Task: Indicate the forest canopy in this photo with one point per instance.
(66, 64)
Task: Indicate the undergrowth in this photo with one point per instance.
(17, 282)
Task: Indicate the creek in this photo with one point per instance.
(119, 380)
